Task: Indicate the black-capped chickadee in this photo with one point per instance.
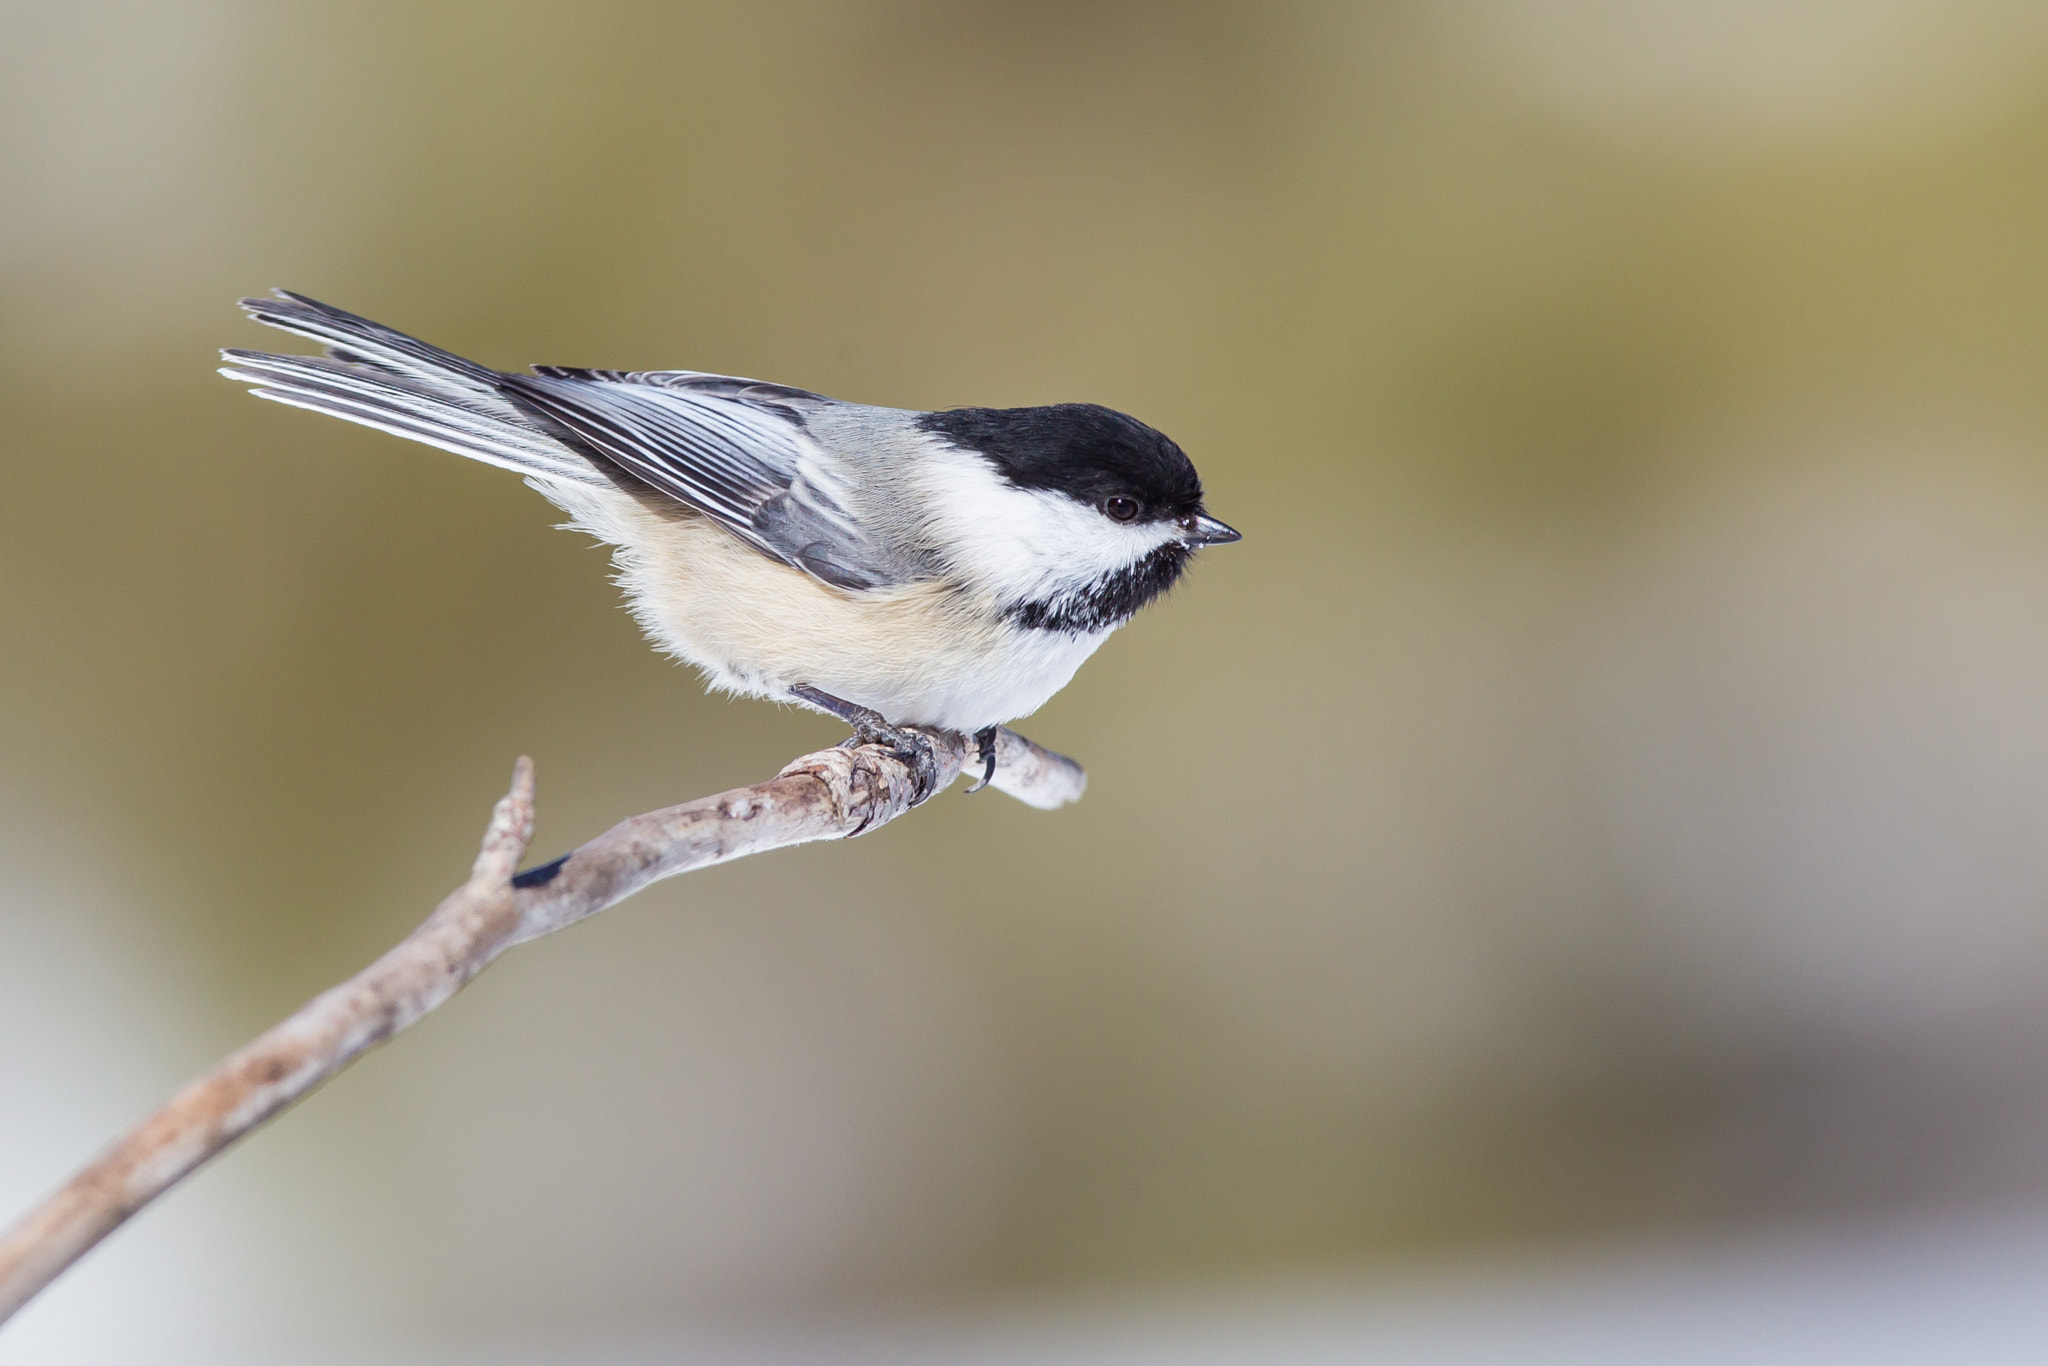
(894, 568)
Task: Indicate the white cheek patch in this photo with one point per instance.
(1024, 544)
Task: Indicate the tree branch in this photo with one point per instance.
(833, 794)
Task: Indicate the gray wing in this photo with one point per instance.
(786, 399)
(734, 449)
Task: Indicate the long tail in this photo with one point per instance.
(399, 384)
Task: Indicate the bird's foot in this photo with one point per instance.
(985, 752)
(871, 728)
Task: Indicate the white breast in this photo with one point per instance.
(923, 654)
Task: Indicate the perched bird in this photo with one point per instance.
(893, 568)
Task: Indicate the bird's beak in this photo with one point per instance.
(1201, 530)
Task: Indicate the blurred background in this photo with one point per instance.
(1600, 805)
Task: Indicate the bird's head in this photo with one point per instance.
(1075, 515)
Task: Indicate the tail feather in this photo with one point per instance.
(392, 406)
(384, 379)
(360, 339)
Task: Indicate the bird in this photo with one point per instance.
(901, 570)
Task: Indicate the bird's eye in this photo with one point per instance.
(1121, 509)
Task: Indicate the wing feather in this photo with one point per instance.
(748, 463)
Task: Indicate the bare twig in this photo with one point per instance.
(833, 794)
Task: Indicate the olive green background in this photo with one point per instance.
(1604, 792)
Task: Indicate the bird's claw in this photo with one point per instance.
(912, 749)
(985, 752)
